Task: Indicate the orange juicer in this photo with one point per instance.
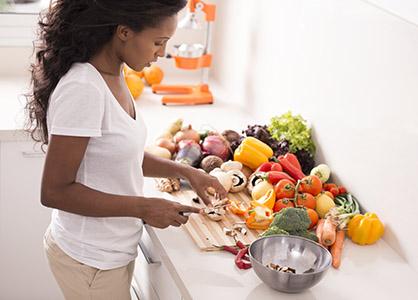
(191, 57)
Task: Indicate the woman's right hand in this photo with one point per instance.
(161, 213)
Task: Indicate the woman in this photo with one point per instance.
(95, 163)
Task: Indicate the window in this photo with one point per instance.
(18, 19)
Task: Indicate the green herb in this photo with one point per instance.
(294, 129)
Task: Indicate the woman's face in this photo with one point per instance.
(140, 49)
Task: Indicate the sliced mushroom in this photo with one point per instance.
(215, 214)
(224, 178)
(239, 181)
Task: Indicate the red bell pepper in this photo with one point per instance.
(264, 167)
(291, 169)
(275, 176)
(293, 160)
(269, 166)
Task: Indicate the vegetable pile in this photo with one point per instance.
(275, 165)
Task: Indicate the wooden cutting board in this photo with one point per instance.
(207, 233)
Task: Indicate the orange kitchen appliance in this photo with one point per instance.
(191, 57)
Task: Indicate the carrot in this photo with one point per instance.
(319, 227)
(328, 232)
(337, 248)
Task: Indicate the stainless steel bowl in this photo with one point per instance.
(309, 259)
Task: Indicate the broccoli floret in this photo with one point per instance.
(272, 230)
(292, 219)
(306, 234)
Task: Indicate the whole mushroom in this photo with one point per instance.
(239, 181)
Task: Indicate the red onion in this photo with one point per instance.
(216, 145)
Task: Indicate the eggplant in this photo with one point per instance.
(190, 154)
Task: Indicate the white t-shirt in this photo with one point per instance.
(83, 105)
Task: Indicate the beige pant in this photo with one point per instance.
(79, 281)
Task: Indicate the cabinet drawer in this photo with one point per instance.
(23, 221)
(155, 271)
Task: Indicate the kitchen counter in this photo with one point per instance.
(374, 272)
(366, 272)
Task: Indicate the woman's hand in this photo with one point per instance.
(162, 213)
(201, 182)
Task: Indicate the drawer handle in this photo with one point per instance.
(147, 257)
(33, 154)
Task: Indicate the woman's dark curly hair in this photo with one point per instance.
(73, 31)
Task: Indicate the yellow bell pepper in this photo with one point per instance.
(252, 152)
(268, 199)
(260, 217)
(365, 229)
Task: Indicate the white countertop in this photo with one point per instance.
(368, 272)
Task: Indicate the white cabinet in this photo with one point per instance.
(24, 270)
(151, 275)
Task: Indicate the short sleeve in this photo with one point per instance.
(76, 109)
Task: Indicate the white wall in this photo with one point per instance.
(352, 70)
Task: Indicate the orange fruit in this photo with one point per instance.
(313, 215)
(127, 70)
(135, 85)
(153, 75)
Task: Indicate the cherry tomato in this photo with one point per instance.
(335, 191)
(342, 189)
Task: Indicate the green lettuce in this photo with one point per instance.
(293, 129)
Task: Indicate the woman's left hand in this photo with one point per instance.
(201, 182)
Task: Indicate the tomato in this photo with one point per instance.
(313, 215)
(284, 189)
(311, 184)
(282, 203)
(306, 200)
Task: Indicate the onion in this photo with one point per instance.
(184, 143)
(187, 133)
(166, 143)
(216, 145)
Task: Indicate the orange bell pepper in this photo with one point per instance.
(237, 208)
(260, 217)
(268, 199)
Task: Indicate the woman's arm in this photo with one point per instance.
(59, 190)
(154, 166)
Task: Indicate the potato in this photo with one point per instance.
(323, 204)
